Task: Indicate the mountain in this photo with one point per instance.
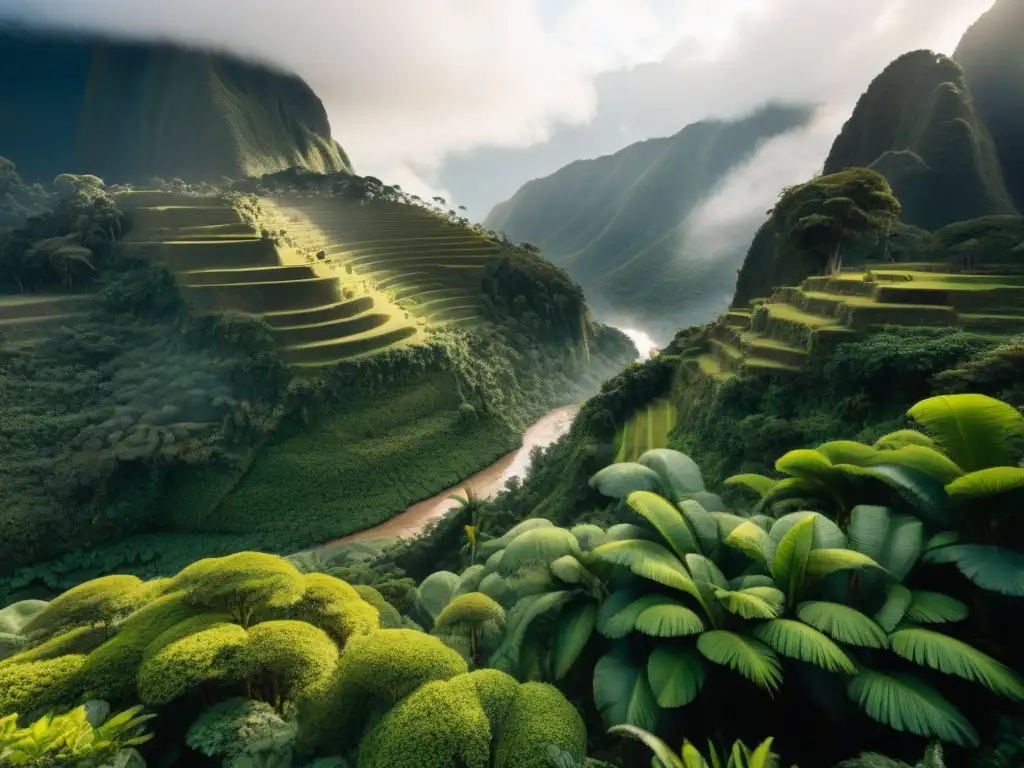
(992, 57)
(918, 126)
(131, 111)
(616, 223)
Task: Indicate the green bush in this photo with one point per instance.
(40, 685)
(539, 715)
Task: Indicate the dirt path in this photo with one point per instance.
(487, 482)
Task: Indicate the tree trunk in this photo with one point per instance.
(473, 649)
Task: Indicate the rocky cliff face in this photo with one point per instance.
(131, 111)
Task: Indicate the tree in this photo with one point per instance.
(471, 614)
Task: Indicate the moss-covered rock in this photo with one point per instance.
(39, 685)
(540, 715)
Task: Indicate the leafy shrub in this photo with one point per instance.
(234, 729)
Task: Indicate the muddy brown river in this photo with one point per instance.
(487, 482)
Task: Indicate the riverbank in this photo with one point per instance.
(487, 483)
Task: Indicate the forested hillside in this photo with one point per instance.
(133, 111)
(616, 223)
(917, 125)
(992, 57)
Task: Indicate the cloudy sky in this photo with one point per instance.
(471, 98)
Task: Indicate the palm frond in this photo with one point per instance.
(750, 658)
(676, 674)
(895, 542)
(803, 642)
(618, 614)
(933, 608)
(753, 541)
(992, 568)
(791, 557)
(842, 623)
(669, 620)
(822, 562)
(666, 520)
(954, 657)
(662, 752)
(753, 603)
(650, 561)
(975, 431)
(759, 484)
(984, 483)
(906, 704)
(901, 438)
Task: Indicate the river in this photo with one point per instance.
(488, 482)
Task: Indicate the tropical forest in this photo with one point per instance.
(356, 416)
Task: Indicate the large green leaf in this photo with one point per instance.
(930, 461)
(953, 657)
(573, 629)
(791, 557)
(703, 569)
(759, 484)
(470, 580)
(489, 547)
(906, 704)
(494, 586)
(991, 568)
(509, 657)
(436, 590)
(926, 495)
(753, 602)
(711, 502)
(933, 608)
(986, 483)
(571, 571)
(619, 480)
(662, 752)
(847, 452)
(538, 547)
(894, 608)
(754, 541)
(895, 542)
(702, 526)
(805, 463)
(666, 520)
(827, 535)
(680, 475)
(803, 642)
(822, 562)
(902, 437)
(621, 691)
(588, 535)
(649, 560)
(975, 431)
(750, 658)
(676, 674)
(669, 620)
(842, 623)
(617, 618)
(625, 531)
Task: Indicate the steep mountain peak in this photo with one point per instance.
(129, 111)
(917, 125)
(992, 58)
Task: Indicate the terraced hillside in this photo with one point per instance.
(424, 264)
(27, 318)
(779, 334)
(319, 314)
(646, 429)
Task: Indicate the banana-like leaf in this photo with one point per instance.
(625, 531)
(906, 704)
(802, 488)
(975, 431)
(933, 608)
(666, 519)
(711, 502)
(538, 547)
(954, 657)
(759, 484)
(588, 535)
(676, 674)
(702, 526)
(750, 658)
(489, 547)
(621, 691)
(847, 452)
(510, 654)
(662, 752)
(991, 568)
(822, 562)
(650, 561)
(669, 620)
(680, 476)
(436, 591)
(618, 614)
(571, 571)
(842, 623)
(531, 581)
(804, 643)
(727, 523)
(703, 569)
(753, 603)
(752, 580)
(573, 629)
(986, 483)
(926, 495)
(617, 481)
(827, 535)
(754, 542)
(494, 586)
(930, 461)
(805, 463)
(895, 542)
(901, 438)
(792, 556)
(894, 608)
(493, 563)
